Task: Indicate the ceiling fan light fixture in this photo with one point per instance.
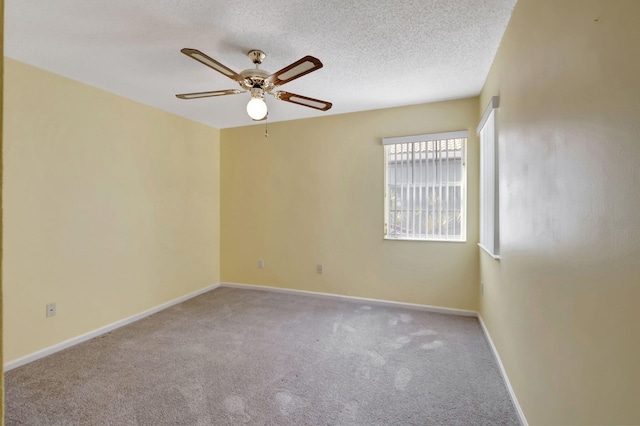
(257, 107)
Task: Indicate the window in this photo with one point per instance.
(425, 187)
(489, 211)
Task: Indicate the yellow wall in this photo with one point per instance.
(111, 208)
(562, 304)
(312, 193)
(1, 164)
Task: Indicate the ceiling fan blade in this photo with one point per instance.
(303, 100)
(297, 69)
(212, 63)
(209, 94)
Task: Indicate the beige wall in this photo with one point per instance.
(111, 208)
(562, 304)
(312, 193)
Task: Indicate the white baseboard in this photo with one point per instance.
(102, 330)
(379, 302)
(523, 419)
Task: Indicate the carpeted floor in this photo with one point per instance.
(235, 356)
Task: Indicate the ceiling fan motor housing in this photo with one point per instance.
(256, 78)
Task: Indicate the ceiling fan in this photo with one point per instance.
(258, 82)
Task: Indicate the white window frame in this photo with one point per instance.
(461, 134)
(489, 181)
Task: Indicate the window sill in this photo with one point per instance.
(494, 256)
(425, 240)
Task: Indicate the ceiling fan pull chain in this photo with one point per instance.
(266, 127)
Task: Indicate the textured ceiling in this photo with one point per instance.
(376, 54)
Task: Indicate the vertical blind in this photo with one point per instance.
(489, 220)
(425, 187)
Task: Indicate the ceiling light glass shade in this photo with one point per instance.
(257, 108)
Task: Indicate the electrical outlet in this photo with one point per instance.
(51, 310)
(319, 268)
(261, 263)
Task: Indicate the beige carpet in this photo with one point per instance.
(233, 356)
